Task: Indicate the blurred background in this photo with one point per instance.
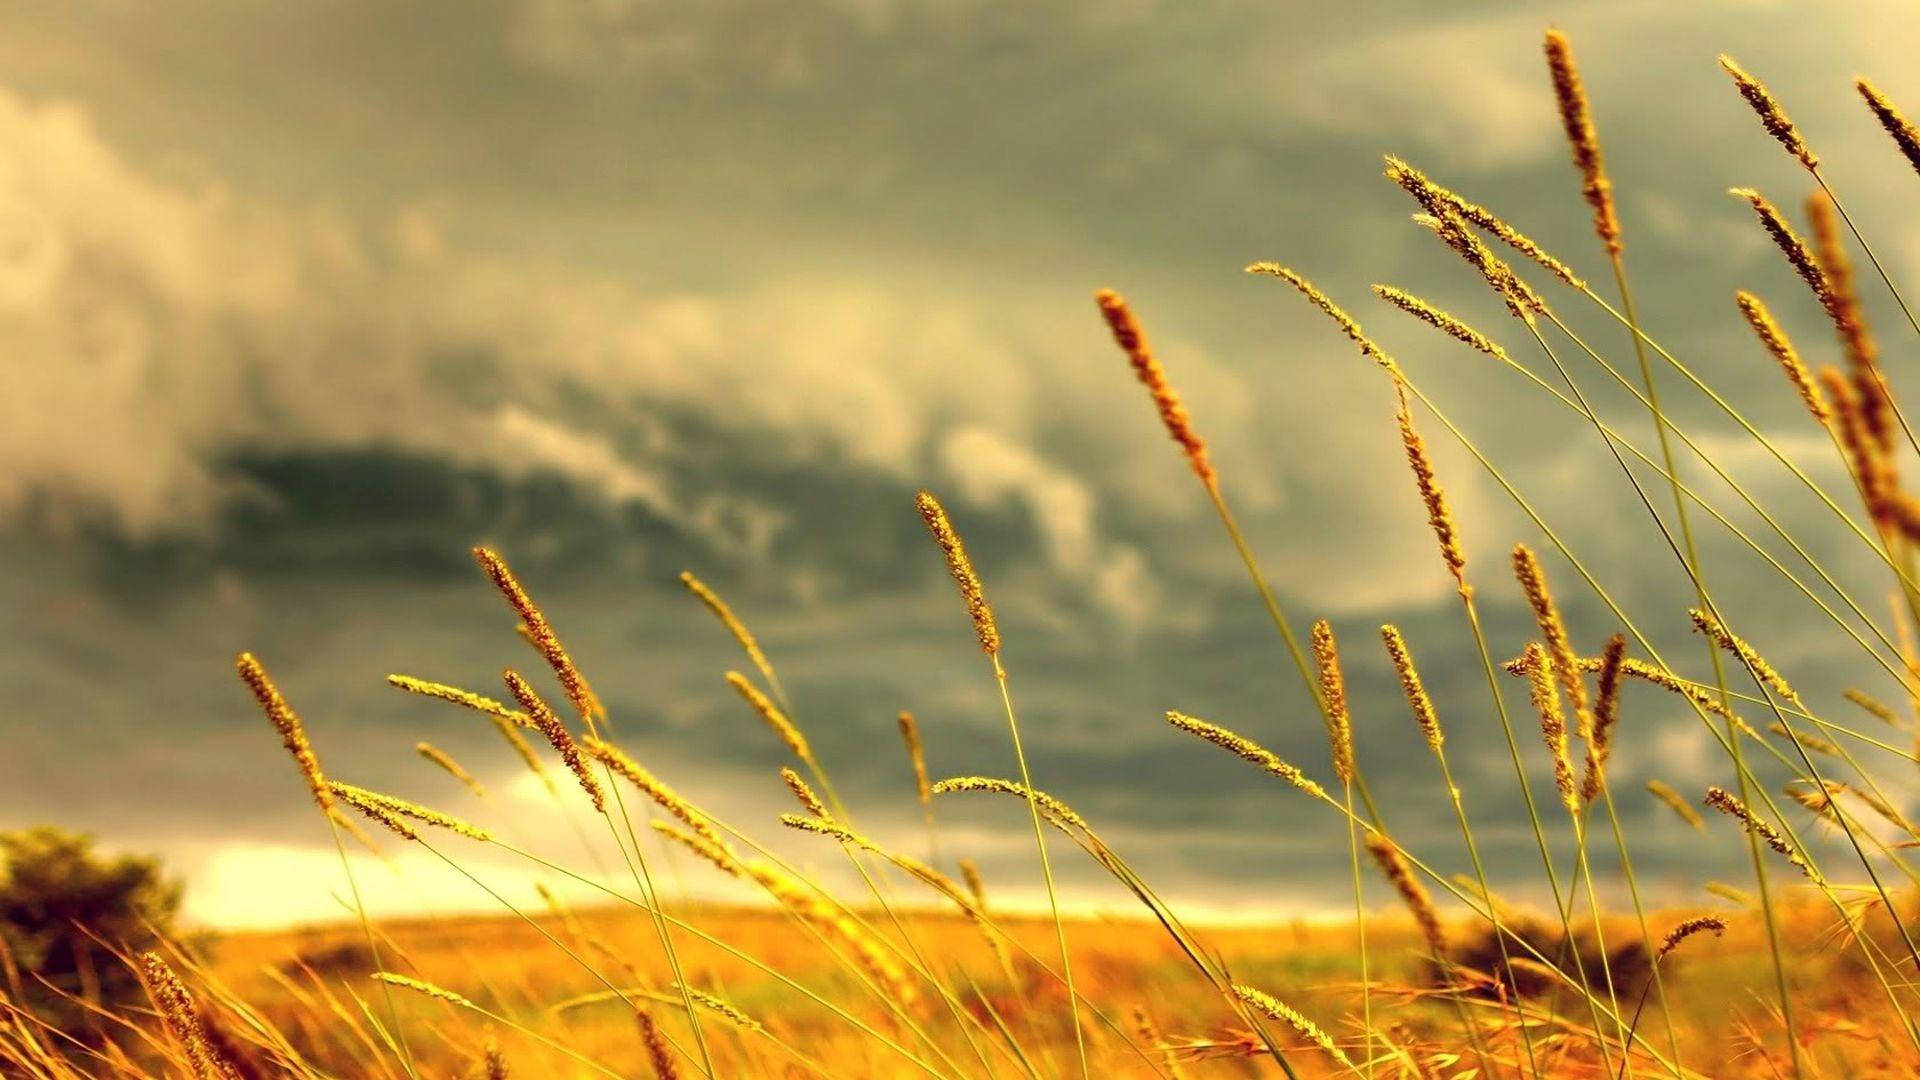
(299, 301)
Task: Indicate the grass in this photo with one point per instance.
(916, 974)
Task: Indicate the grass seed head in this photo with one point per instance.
(1770, 113)
(1166, 401)
(961, 567)
(1576, 118)
(293, 734)
(557, 735)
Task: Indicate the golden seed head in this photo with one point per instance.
(421, 987)
(1770, 113)
(1553, 630)
(808, 800)
(1850, 320)
(444, 761)
(1127, 334)
(720, 1005)
(293, 734)
(777, 720)
(711, 850)
(1399, 873)
(1808, 741)
(182, 1019)
(557, 734)
(916, 756)
(652, 787)
(1277, 1010)
(1686, 929)
(539, 632)
(1676, 803)
(1333, 694)
(1449, 216)
(1871, 466)
(659, 1051)
(373, 811)
(1576, 117)
(1798, 255)
(1781, 347)
(1442, 321)
(1872, 706)
(970, 873)
(1905, 136)
(1443, 200)
(1410, 683)
(1333, 311)
(1060, 813)
(961, 567)
(1606, 712)
(1553, 725)
(391, 806)
(730, 621)
(1439, 515)
(1733, 807)
(1706, 624)
(1245, 748)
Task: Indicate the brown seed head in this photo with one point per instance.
(293, 734)
(1686, 929)
(1850, 320)
(539, 632)
(1410, 683)
(1333, 693)
(1905, 136)
(1399, 873)
(1706, 624)
(1798, 255)
(1732, 807)
(1439, 515)
(1553, 725)
(1770, 113)
(1132, 341)
(1871, 466)
(961, 567)
(1553, 631)
(1448, 216)
(916, 756)
(659, 1052)
(557, 734)
(1778, 344)
(1576, 117)
(1606, 712)
(183, 1021)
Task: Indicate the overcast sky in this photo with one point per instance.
(299, 301)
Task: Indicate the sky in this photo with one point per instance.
(299, 302)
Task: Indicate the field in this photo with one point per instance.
(1806, 967)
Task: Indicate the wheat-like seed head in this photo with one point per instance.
(1871, 466)
(1905, 136)
(1274, 1009)
(1872, 706)
(419, 986)
(466, 699)
(1733, 807)
(1809, 741)
(1781, 347)
(1333, 694)
(1436, 197)
(1246, 749)
(1439, 514)
(1553, 725)
(1770, 113)
(916, 756)
(1332, 310)
(1850, 320)
(976, 885)
(557, 734)
(1576, 117)
(961, 567)
(1798, 255)
(1676, 802)
(804, 794)
(293, 734)
(183, 1019)
(1706, 624)
(1553, 631)
(776, 719)
(1410, 683)
(373, 811)
(730, 621)
(720, 1005)
(452, 768)
(1606, 712)
(1132, 341)
(659, 1051)
(1441, 321)
(652, 787)
(1050, 807)
(1686, 929)
(1448, 216)
(360, 798)
(707, 848)
(539, 631)
(1399, 873)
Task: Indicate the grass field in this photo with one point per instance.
(1807, 967)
